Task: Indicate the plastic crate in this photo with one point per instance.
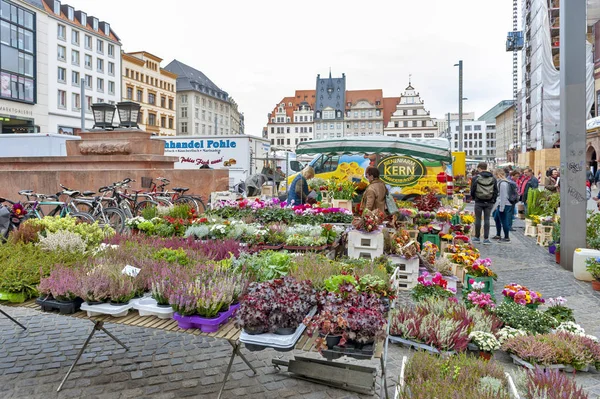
(406, 281)
(405, 265)
(365, 245)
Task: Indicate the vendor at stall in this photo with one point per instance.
(374, 196)
(298, 192)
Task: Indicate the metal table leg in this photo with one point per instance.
(236, 351)
(13, 320)
(98, 326)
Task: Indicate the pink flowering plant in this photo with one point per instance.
(63, 284)
(476, 298)
(437, 287)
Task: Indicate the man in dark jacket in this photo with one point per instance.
(532, 183)
(484, 192)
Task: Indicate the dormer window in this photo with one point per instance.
(71, 13)
(57, 7)
(95, 24)
(106, 29)
(83, 19)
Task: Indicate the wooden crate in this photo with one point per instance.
(544, 235)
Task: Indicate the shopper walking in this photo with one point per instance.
(551, 183)
(374, 196)
(503, 208)
(484, 192)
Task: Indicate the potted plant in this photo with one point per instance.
(364, 325)
(522, 295)
(486, 342)
(480, 271)
(59, 290)
(434, 288)
(121, 290)
(557, 253)
(95, 286)
(331, 326)
(593, 267)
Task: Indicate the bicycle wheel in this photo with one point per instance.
(189, 201)
(144, 204)
(163, 202)
(113, 217)
(201, 206)
(82, 217)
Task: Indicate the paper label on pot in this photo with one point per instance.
(130, 271)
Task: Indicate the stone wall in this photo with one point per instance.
(202, 181)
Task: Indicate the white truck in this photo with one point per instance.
(242, 155)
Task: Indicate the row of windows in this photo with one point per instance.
(479, 152)
(414, 123)
(473, 136)
(468, 145)
(364, 114)
(151, 98)
(283, 141)
(88, 60)
(332, 126)
(151, 120)
(219, 118)
(76, 101)
(288, 130)
(149, 80)
(76, 79)
(206, 129)
(17, 53)
(414, 135)
(355, 134)
(75, 36)
(217, 106)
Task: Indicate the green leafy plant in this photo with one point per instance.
(172, 256)
(92, 233)
(593, 266)
(149, 212)
(333, 283)
(523, 318)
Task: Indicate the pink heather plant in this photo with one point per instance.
(62, 284)
(95, 286)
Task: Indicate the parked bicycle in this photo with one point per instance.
(61, 208)
(106, 216)
(177, 196)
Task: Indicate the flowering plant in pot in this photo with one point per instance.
(369, 221)
(212, 295)
(437, 288)
(95, 286)
(331, 325)
(557, 308)
(486, 342)
(476, 298)
(482, 268)
(63, 284)
(365, 325)
(122, 290)
(593, 267)
(341, 189)
(522, 295)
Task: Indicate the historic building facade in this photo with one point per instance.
(330, 106)
(292, 120)
(411, 119)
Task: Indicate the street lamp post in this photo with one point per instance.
(460, 105)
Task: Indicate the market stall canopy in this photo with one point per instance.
(431, 149)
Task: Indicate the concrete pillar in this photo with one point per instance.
(572, 129)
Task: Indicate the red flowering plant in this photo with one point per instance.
(369, 221)
(365, 325)
(481, 268)
(436, 287)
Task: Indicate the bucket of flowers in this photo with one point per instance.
(522, 295)
(481, 271)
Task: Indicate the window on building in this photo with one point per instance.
(88, 42)
(396, 124)
(414, 123)
(129, 92)
(88, 104)
(414, 112)
(76, 101)
(100, 84)
(88, 81)
(140, 96)
(151, 119)
(405, 112)
(170, 103)
(423, 123)
(170, 123)
(362, 114)
(468, 128)
(75, 37)
(111, 50)
(405, 124)
(88, 61)
(184, 112)
(184, 127)
(111, 87)
(152, 98)
(62, 32)
(62, 99)
(100, 46)
(378, 125)
(75, 78)
(310, 129)
(477, 127)
(163, 122)
(62, 53)
(111, 68)
(184, 98)
(100, 65)
(74, 57)
(329, 114)
(203, 115)
(378, 112)
(362, 125)
(62, 75)
(370, 125)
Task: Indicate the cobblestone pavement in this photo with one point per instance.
(175, 365)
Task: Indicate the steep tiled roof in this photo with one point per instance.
(81, 24)
(389, 107)
(372, 96)
(300, 96)
(186, 74)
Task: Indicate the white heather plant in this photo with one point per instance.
(508, 332)
(571, 327)
(485, 341)
(63, 240)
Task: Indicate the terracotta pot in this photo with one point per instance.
(485, 355)
(596, 285)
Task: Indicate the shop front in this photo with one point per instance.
(17, 118)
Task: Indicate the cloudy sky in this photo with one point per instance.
(261, 51)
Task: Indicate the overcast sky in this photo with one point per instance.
(261, 51)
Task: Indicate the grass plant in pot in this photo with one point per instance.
(593, 267)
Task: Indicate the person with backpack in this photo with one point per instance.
(504, 206)
(484, 192)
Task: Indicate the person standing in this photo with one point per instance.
(298, 192)
(514, 178)
(484, 192)
(531, 182)
(374, 196)
(279, 176)
(551, 183)
(503, 207)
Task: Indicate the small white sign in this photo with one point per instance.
(130, 271)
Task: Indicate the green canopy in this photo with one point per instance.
(430, 149)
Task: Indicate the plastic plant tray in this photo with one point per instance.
(270, 340)
(417, 345)
(205, 325)
(64, 307)
(147, 306)
(108, 309)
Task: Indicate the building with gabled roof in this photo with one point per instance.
(411, 119)
(291, 121)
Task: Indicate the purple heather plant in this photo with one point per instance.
(552, 384)
(95, 286)
(122, 289)
(62, 284)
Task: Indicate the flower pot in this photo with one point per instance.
(557, 255)
(552, 249)
(332, 340)
(117, 303)
(596, 285)
(485, 355)
(94, 302)
(163, 306)
(285, 331)
(254, 330)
